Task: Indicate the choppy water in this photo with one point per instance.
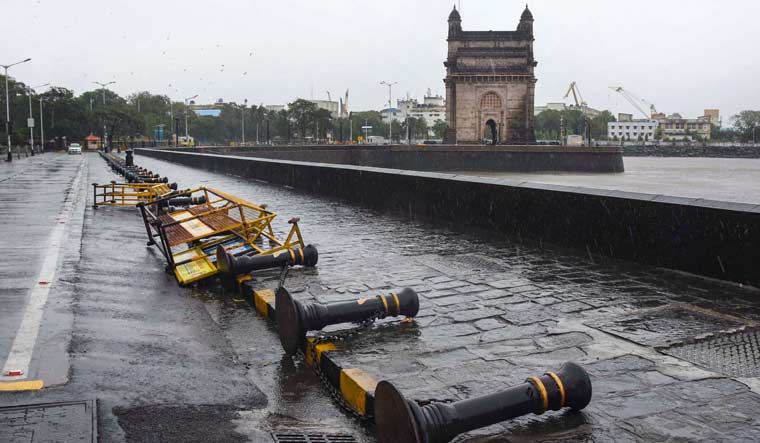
(727, 179)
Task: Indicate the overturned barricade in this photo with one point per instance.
(130, 194)
(188, 238)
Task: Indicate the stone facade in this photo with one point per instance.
(490, 84)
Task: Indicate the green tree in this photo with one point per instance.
(599, 124)
(302, 112)
(747, 122)
(439, 129)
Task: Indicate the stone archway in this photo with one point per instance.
(491, 132)
(491, 114)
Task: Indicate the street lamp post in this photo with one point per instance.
(8, 108)
(390, 105)
(103, 87)
(105, 130)
(31, 116)
(42, 128)
(187, 103)
(242, 121)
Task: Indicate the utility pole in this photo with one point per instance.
(31, 117)
(390, 106)
(8, 108)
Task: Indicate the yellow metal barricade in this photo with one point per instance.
(188, 238)
(130, 194)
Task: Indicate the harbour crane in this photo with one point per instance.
(329, 99)
(636, 101)
(576, 91)
(583, 106)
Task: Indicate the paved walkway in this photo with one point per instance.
(496, 311)
(176, 364)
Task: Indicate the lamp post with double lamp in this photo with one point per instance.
(103, 86)
(31, 116)
(8, 108)
(187, 103)
(390, 106)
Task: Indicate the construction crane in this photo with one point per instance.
(636, 101)
(583, 106)
(576, 91)
(329, 99)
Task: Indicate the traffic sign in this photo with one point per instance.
(30, 122)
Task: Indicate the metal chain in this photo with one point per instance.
(283, 275)
(341, 336)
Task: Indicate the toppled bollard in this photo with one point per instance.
(230, 265)
(187, 201)
(400, 420)
(295, 319)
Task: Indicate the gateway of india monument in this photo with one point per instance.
(490, 84)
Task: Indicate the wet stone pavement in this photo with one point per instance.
(495, 311)
(196, 364)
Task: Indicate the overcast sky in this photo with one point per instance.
(682, 56)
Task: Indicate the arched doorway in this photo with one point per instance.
(491, 112)
(491, 132)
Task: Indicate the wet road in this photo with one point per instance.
(177, 364)
(727, 179)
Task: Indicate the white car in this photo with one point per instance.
(75, 148)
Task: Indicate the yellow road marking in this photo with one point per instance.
(31, 385)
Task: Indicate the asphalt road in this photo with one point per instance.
(115, 326)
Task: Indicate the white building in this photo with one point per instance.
(432, 109)
(626, 128)
(328, 105)
(275, 108)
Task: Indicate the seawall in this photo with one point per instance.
(443, 157)
(710, 238)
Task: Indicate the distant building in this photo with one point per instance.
(675, 127)
(714, 116)
(626, 128)
(549, 107)
(328, 105)
(590, 112)
(390, 114)
(208, 110)
(275, 108)
(490, 83)
(432, 109)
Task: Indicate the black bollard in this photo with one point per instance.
(130, 161)
(399, 420)
(231, 265)
(295, 319)
(187, 201)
